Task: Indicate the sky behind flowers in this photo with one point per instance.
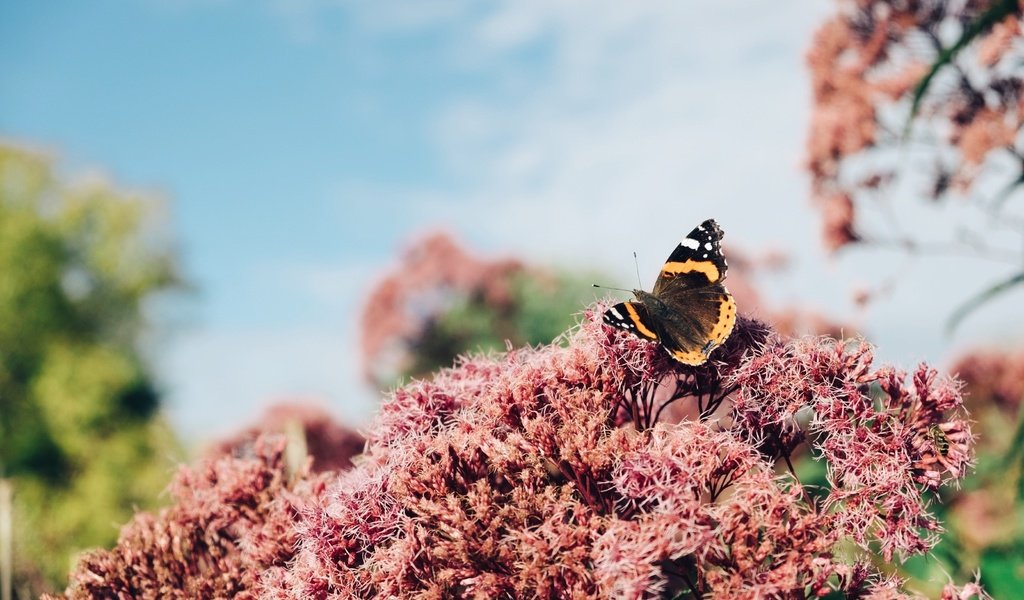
(300, 142)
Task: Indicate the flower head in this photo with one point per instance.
(554, 472)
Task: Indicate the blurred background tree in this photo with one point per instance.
(442, 301)
(986, 523)
(917, 113)
(82, 442)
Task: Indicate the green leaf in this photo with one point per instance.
(983, 23)
(1002, 572)
(1016, 449)
(1013, 461)
(969, 306)
(1006, 192)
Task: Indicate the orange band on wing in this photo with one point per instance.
(691, 357)
(726, 320)
(706, 267)
(719, 333)
(635, 317)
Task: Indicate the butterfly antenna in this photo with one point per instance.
(636, 263)
(605, 287)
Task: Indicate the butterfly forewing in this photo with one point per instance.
(697, 261)
(633, 317)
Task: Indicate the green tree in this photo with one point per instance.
(82, 443)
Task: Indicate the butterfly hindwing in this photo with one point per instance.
(699, 322)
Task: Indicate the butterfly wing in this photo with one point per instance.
(695, 322)
(697, 261)
(634, 318)
(694, 312)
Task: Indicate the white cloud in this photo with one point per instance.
(649, 117)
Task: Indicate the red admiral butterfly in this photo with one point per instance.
(689, 311)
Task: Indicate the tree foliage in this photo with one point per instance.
(80, 434)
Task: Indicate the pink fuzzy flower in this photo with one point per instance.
(232, 521)
(327, 443)
(556, 472)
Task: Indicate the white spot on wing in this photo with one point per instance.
(707, 245)
(615, 312)
(690, 243)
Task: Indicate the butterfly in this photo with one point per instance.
(689, 311)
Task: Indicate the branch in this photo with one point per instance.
(972, 250)
(985, 21)
(1005, 193)
(972, 304)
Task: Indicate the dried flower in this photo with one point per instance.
(327, 443)
(838, 214)
(553, 472)
(232, 521)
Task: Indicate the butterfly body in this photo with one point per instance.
(689, 311)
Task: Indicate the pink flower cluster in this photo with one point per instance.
(232, 521)
(593, 467)
(329, 445)
(993, 377)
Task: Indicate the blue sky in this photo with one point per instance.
(251, 127)
(300, 142)
(279, 132)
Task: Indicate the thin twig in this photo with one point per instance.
(971, 250)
